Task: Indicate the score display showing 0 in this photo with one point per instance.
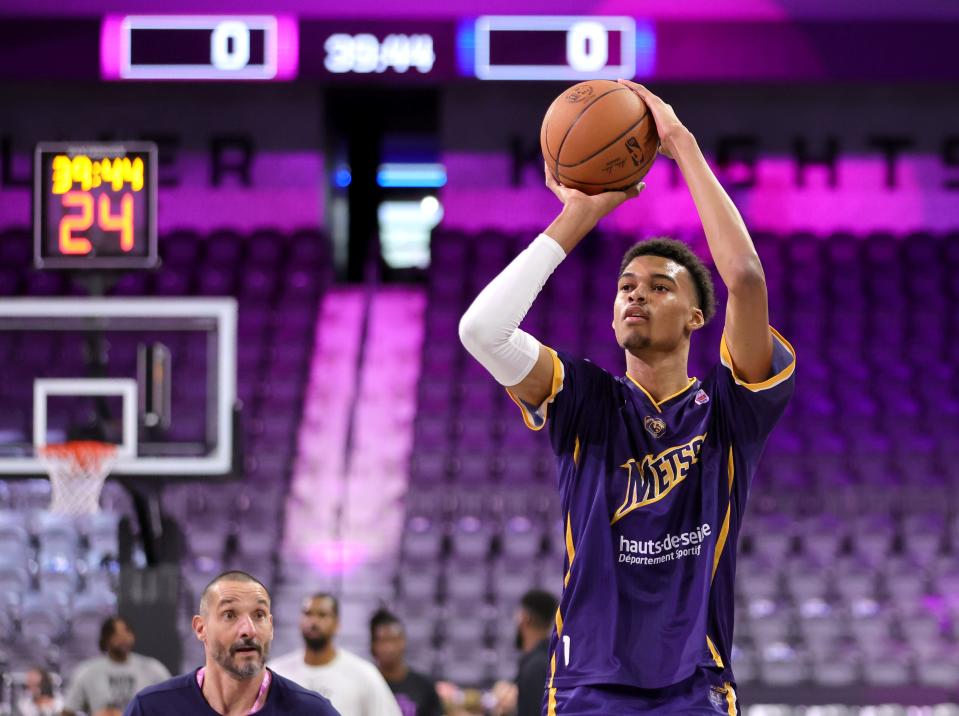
(199, 47)
(535, 47)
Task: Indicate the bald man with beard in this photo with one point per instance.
(236, 627)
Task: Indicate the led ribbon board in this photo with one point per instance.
(559, 48)
(95, 205)
(208, 47)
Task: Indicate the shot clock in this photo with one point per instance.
(95, 205)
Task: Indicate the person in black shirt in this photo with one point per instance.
(534, 622)
(414, 692)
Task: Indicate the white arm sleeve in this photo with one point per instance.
(490, 329)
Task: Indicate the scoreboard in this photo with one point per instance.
(384, 43)
(270, 48)
(95, 205)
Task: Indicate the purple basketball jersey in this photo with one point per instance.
(652, 496)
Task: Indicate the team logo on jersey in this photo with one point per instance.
(654, 426)
(650, 479)
(701, 397)
(717, 696)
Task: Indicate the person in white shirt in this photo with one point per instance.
(40, 697)
(353, 685)
(109, 682)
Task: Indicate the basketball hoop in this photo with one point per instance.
(77, 471)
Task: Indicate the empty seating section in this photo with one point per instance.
(848, 561)
(278, 280)
(57, 576)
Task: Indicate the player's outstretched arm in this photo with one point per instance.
(490, 327)
(747, 310)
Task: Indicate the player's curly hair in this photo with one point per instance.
(680, 253)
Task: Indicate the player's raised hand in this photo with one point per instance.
(668, 126)
(598, 205)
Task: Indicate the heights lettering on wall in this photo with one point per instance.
(737, 159)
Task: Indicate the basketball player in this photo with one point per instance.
(236, 628)
(654, 466)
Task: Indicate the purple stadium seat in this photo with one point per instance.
(215, 282)
(839, 665)
(510, 579)
(180, 249)
(823, 535)
(258, 285)
(16, 248)
(435, 396)
(819, 622)
(89, 611)
(474, 468)
(422, 540)
(940, 670)
(464, 631)
(169, 282)
(300, 284)
(769, 621)
(474, 434)
(9, 283)
(471, 538)
(525, 466)
(892, 668)
(783, 665)
(307, 248)
(870, 623)
(44, 283)
(223, 248)
(131, 284)
(745, 663)
(265, 249)
(57, 535)
(13, 529)
(420, 584)
(42, 619)
(759, 577)
(807, 579)
(432, 432)
(467, 585)
(428, 468)
(14, 577)
(521, 539)
(57, 576)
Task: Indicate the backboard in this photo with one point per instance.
(155, 376)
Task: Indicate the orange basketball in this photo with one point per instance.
(598, 136)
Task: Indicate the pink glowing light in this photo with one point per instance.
(337, 556)
(111, 47)
(287, 47)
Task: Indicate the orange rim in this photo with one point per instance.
(85, 452)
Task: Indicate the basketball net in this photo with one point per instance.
(77, 471)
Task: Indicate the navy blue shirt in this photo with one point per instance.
(653, 495)
(181, 695)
